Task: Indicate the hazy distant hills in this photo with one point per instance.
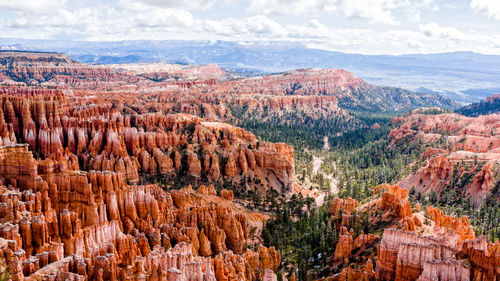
(463, 76)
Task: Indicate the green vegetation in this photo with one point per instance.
(308, 133)
(359, 159)
(432, 110)
(481, 108)
(363, 158)
(4, 273)
(305, 241)
(453, 201)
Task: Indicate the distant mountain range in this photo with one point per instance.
(463, 76)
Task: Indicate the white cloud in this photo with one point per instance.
(489, 7)
(296, 7)
(312, 23)
(262, 27)
(375, 11)
(32, 5)
(181, 4)
(256, 26)
(164, 18)
(438, 31)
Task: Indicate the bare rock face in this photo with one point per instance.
(347, 244)
(447, 251)
(101, 139)
(50, 69)
(341, 209)
(402, 254)
(282, 108)
(465, 142)
(445, 270)
(484, 258)
(460, 225)
(182, 75)
(344, 246)
(70, 208)
(364, 273)
(119, 231)
(394, 198)
(194, 165)
(227, 194)
(342, 205)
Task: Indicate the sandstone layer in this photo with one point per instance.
(460, 148)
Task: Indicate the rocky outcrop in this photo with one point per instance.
(463, 147)
(344, 246)
(445, 270)
(341, 210)
(351, 91)
(227, 194)
(394, 198)
(183, 75)
(95, 226)
(402, 254)
(71, 207)
(447, 251)
(290, 109)
(50, 69)
(484, 258)
(364, 273)
(461, 225)
(99, 138)
(299, 96)
(347, 243)
(339, 205)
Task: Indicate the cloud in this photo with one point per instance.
(372, 10)
(437, 31)
(375, 11)
(164, 18)
(256, 26)
(180, 4)
(308, 22)
(262, 27)
(295, 7)
(101, 21)
(31, 5)
(489, 7)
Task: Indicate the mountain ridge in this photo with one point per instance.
(453, 72)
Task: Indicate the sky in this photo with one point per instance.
(353, 26)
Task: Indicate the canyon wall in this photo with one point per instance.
(57, 223)
(459, 148)
(72, 207)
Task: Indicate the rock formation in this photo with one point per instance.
(71, 207)
(402, 254)
(484, 258)
(95, 226)
(53, 69)
(449, 252)
(347, 243)
(462, 147)
(341, 210)
(394, 199)
(461, 225)
(101, 139)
